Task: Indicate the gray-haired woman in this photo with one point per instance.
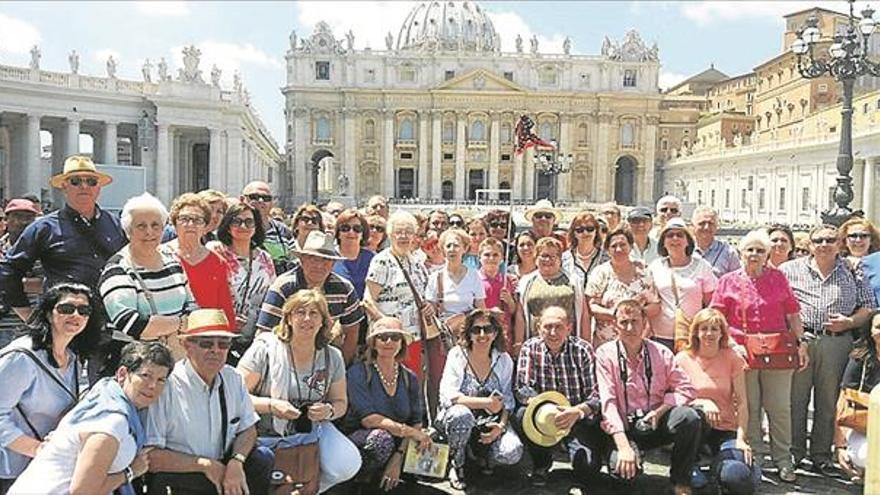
(145, 291)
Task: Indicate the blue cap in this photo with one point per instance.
(640, 212)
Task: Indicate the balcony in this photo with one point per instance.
(476, 145)
(406, 143)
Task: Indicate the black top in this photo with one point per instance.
(852, 375)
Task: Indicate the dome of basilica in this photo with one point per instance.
(448, 26)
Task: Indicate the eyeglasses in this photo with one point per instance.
(310, 219)
(668, 210)
(547, 256)
(392, 337)
(78, 181)
(247, 223)
(348, 228)
(801, 251)
(208, 343)
(824, 240)
(858, 236)
(586, 228)
(543, 216)
(335, 213)
(497, 225)
(259, 198)
(676, 235)
(377, 228)
(68, 309)
(755, 250)
(482, 330)
(186, 219)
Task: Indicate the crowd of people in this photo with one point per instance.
(219, 335)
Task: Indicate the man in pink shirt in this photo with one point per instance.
(644, 398)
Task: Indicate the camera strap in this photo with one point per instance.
(224, 414)
(624, 372)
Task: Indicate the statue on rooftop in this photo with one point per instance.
(73, 60)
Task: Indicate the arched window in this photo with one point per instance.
(545, 131)
(406, 132)
(448, 132)
(627, 135)
(478, 131)
(370, 130)
(507, 136)
(446, 189)
(583, 133)
(322, 129)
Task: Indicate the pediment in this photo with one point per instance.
(480, 80)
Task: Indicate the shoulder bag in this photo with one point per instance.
(768, 351)
(681, 325)
(855, 407)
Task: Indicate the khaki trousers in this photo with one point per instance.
(770, 390)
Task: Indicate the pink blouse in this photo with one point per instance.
(764, 301)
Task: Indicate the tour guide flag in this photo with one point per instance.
(525, 137)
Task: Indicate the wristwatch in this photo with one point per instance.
(129, 474)
(238, 456)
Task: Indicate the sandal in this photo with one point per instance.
(456, 479)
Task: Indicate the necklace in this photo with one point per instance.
(389, 384)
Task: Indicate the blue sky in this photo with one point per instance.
(252, 36)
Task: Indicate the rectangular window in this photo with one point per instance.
(448, 156)
(751, 183)
(508, 75)
(781, 199)
(629, 78)
(406, 156)
(712, 198)
(505, 157)
(449, 74)
(761, 199)
(407, 74)
(322, 71)
(805, 199)
(742, 198)
(700, 197)
(727, 198)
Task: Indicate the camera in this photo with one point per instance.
(303, 424)
(637, 422)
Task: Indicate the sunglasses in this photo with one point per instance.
(588, 228)
(676, 235)
(801, 251)
(497, 225)
(309, 219)
(207, 343)
(858, 235)
(544, 216)
(78, 181)
(247, 223)
(335, 213)
(456, 223)
(824, 240)
(668, 210)
(348, 228)
(482, 330)
(390, 337)
(186, 219)
(261, 198)
(68, 309)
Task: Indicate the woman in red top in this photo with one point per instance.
(208, 274)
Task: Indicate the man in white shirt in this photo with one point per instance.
(203, 427)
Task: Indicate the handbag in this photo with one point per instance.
(433, 463)
(854, 412)
(681, 325)
(769, 351)
(296, 470)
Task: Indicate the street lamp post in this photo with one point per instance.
(848, 59)
(550, 162)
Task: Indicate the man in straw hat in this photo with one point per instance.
(543, 217)
(645, 399)
(203, 427)
(72, 243)
(557, 361)
(315, 271)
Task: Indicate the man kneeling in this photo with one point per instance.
(644, 398)
(203, 426)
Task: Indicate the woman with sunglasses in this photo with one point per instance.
(98, 446)
(206, 272)
(377, 237)
(858, 238)
(352, 232)
(781, 245)
(476, 398)
(386, 407)
(144, 289)
(297, 384)
(251, 270)
(45, 365)
(585, 248)
(307, 218)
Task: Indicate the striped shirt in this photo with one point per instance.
(571, 372)
(132, 294)
(721, 256)
(341, 298)
(840, 292)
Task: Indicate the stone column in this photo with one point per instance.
(234, 163)
(493, 154)
(460, 150)
(388, 156)
(163, 163)
(650, 151)
(349, 156)
(216, 163)
(436, 157)
(301, 169)
(603, 171)
(563, 181)
(529, 170)
(516, 182)
(32, 167)
(109, 156)
(423, 173)
(72, 145)
(869, 202)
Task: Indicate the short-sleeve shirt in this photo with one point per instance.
(692, 281)
(52, 470)
(367, 396)
(541, 293)
(721, 256)
(187, 417)
(605, 288)
(713, 379)
(458, 297)
(396, 298)
(764, 300)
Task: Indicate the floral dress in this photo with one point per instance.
(605, 287)
(248, 287)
